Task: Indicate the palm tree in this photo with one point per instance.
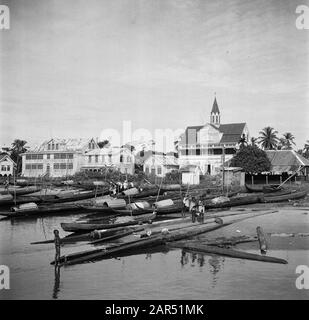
(242, 141)
(289, 140)
(281, 144)
(18, 147)
(306, 150)
(268, 138)
(253, 141)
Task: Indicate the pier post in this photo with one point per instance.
(57, 247)
(262, 240)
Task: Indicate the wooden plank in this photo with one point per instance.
(226, 252)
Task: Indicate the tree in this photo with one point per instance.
(18, 147)
(281, 144)
(242, 141)
(251, 159)
(253, 141)
(289, 140)
(268, 138)
(103, 143)
(305, 152)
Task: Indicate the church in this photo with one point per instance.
(208, 146)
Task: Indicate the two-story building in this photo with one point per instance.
(118, 158)
(56, 157)
(6, 165)
(159, 164)
(208, 146)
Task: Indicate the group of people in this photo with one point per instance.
(195, 206)
(120, 186)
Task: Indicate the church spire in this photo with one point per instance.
(215, 113)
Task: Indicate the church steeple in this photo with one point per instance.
(215, 114)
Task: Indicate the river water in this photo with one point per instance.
(159, 273)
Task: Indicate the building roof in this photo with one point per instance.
(162, 159)
(4, 156)
(286, 160)
(231, 132)
(215, 108)
(66, 144)
(109, 150)
(190, 168)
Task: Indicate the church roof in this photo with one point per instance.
(231, 132)
(215, 108)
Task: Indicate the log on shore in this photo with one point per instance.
(226, 252)
(138, 244)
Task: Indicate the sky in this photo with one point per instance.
(73, 68)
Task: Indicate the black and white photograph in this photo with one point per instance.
(154, 150)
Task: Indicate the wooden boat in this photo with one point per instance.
(32, 209)
(234, 201)
(285, 197)
(59, 196)
(266, 188)
(278, 193)
(144, 194)
(176, 208)
(22, 191)
(108, 212)
(82, 227)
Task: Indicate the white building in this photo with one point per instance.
(97, 160)
(190, 174)
(56, 157)
(6, 165)
(160, 164)
(208, 146)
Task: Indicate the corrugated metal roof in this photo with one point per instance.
(73, 144)
(285, 160)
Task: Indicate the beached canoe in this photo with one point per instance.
(32, 209)
(266, 188)
(285, 197)
(59, 196)
(233, 201)
(85, 227)
(22, 191)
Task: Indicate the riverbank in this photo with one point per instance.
(161, 272)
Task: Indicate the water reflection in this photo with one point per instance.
(56, 288)
(215, 262)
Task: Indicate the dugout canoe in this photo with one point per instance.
(69, 196)
(84, 227)
(27, 210)
(233, 202)
(25, 190)
(286, 197)
(266, 188)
